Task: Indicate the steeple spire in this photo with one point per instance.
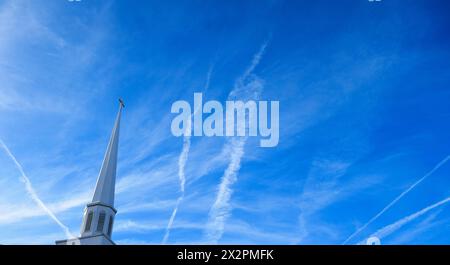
(98, 218)
(105, 187)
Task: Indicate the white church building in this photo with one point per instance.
(98, 217)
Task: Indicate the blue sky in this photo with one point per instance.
(364, 113)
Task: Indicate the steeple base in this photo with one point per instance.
(87, 240)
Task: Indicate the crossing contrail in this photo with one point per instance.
(33, 193)
(389, 229)
(440, 164)
(182, 160)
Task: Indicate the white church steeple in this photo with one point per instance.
(98, 218)
(104, 190)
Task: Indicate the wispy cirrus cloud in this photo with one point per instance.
(10, 213)
(133, 226)
(32, 193)
(325, 185)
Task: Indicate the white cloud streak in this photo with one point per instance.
(172, 218)
(389, 229)
(15, 213)
(32, 192)
(182, 160)
(440, 164)
(247, 87)
(220, 210)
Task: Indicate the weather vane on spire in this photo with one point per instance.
(121, 103)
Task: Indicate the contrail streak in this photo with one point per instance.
(389, 229)
(33, 193)
(172, 218)
(182, 160)
(220, 210)
(440, 164)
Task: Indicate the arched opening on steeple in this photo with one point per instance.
(88, 224)
(110, 225)
(101, 221)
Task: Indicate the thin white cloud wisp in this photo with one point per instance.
(439, 165)
(182, 160)
(30, 190)
(247, 87)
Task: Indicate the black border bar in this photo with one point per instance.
(224, 254)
